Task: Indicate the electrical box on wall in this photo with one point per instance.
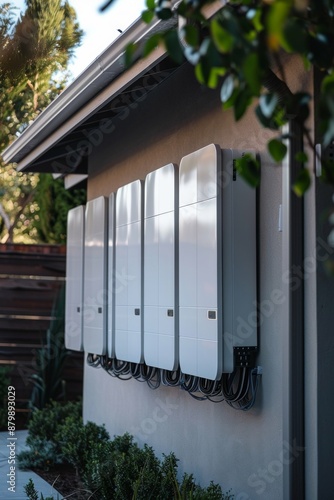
(128, 273)
(239, 263)
(74, 278)
(160, 268)
(217, 261)
(95, 282)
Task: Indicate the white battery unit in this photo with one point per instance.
(217, 261)
(113, 283)
(74, 279)
(95, 282)
(201, 340)
(160, 269)
(128, 273)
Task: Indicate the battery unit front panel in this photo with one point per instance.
(128, 274)
(95, 282)
(201, 343)
(74, 279)
(160, 312)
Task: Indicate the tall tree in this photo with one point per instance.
(35, 50)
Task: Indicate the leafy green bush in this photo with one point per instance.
(44, 448)
(45, 423)
(190, 490)
(110, 469)
(77, 441)
(32, 493)
(119, 469)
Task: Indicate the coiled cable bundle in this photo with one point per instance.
(238, 388)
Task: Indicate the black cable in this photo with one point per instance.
(238, 388)
(229, 382)
(154, 380)
(171, 378)
(93, 360)
(254, 380)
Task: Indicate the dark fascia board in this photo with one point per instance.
(98, 75)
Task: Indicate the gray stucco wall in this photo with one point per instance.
(242, 451)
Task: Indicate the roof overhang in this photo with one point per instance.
(85, 96)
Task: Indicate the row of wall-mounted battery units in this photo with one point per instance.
(164, 271)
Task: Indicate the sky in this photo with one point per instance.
(100, 28)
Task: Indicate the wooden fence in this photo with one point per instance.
(31, 276)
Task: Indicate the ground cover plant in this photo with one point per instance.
(84, 463)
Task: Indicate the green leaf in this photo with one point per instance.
(151, 44)
(173, 46)
(214, 77)
(277, 149)
(230, 102)
(147, 16)
(164, 14)
(256, 17)
(241, 103)
(268, 104)
(210, 77)
(302, 182)
(129, 53)
(279, 12)
(150, 4)
(191, 35)
(274, 122)
(199, 73)
(294, 36)
(327, 84)
(227, 88)
(301, 157)
(252, 72)
(222, 39)
(249, 169)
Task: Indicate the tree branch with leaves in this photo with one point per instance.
(241, 48)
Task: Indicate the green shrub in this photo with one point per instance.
(32, 493)
(45, 451)
(44, 424)
(110, 470)
(190, 490)
(98, 475)
(77, 441)
(137, 474)
(119, 469)
(30, 490)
